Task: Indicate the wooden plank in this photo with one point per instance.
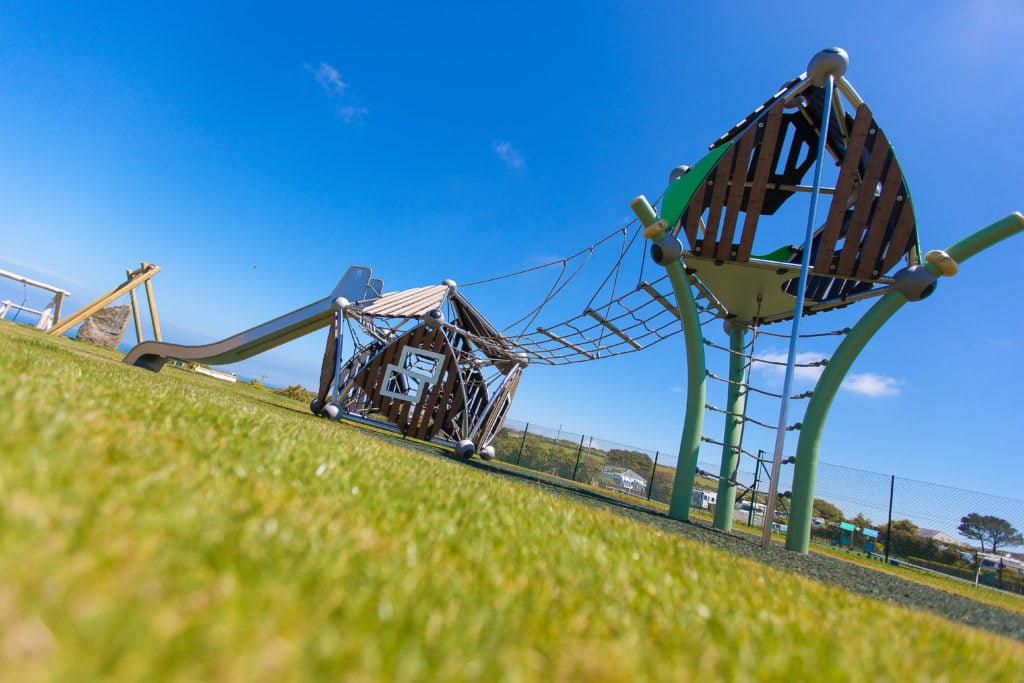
(737, 188)
(720, 184)
(152, 308)
(880, 152)
(765, 157)
(878, 230)
(903, 236)
(101, 302)
(849, 172)
(409, 302)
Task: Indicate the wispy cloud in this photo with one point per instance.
(677, 390)
(872, 385)
(349, 108)
(33, 270)
(774, 371)
(512, 157)
(869, 384)
(329, 79)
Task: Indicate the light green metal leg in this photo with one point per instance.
(799, 534)
(696, 377)
(696, 381)
(733, 436)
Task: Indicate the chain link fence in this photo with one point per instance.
(960, 533)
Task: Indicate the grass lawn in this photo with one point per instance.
(170, 526)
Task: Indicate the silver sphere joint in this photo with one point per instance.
(450, 284)
(915, 282)
(433, 318)
(331, 412)
(487, 453)
(831, 60)
(465, 449)
(340, 304)
(666, 250)
(316, 406)
(677, 173)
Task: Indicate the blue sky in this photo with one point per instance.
(255, 152)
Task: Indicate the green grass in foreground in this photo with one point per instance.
(169, 526)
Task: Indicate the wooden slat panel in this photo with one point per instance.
(409, 302)
(849, 173)
(741, 166)
(765, 156)
(903, 236)
(328, 365)
(422, 424)
(878, 230)
(720, 185)
(691, 222)
(880, 153)
(397, 409)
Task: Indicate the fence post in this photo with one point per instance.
(654, 473)
(522, 444)
(888, 527)
(579, 452)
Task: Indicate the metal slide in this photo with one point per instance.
(355, 286)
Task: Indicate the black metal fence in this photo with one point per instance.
(877, 515)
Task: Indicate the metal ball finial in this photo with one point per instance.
(340, 304)
(831, 60)
(450, 284)
(677, 173)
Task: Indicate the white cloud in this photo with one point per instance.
(329, 79)
(352, 113)
(777, 372)
(350, 109)
(677, 390)
(512, 157)
(871, 384)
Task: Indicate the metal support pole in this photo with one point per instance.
(798, 311)
(753, 490)
(888, 526)
(522, 444)
(654, 473)
(732, 439)
(579, 452)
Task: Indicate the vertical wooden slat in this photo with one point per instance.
(741, 166)
(878, 230)
(902, 237)
(880, 153)
(765, 157)
(720, 185)
(849, 172)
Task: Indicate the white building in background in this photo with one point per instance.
(622, 479)
(940, 537)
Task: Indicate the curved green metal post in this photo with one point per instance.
(696, 377)
(804, 474)
(733, 437)
(696, 381)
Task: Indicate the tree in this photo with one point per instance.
(640, 463)
(862, 522)
(988, 528)
(904, 526)
(827, 511)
